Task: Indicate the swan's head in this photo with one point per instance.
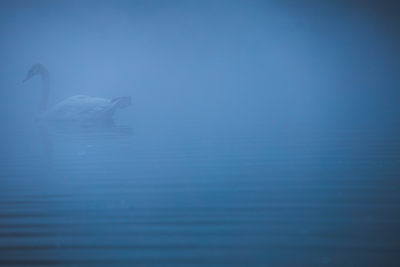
(36, 69)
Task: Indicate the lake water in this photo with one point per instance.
(136, 196)
(261, 133)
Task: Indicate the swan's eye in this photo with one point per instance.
(34, 71)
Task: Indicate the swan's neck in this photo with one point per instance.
(46, 91)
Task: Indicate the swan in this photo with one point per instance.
(75, 108)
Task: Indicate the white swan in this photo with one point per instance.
(75, 108)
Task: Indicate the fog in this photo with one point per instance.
(307, 91)
(221, 66)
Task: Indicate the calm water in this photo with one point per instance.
(111, 196)
(262, 133)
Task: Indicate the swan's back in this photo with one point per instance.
(79, 107)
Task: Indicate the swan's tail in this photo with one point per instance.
(121, 102)
(116, 103)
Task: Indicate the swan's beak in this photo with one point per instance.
(26, 78)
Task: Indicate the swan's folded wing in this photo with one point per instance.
(78, 108)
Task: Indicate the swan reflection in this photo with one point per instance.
(78, 140)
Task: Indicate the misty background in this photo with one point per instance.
(220, 66)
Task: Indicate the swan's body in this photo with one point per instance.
(76, 108)
(80, 107)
